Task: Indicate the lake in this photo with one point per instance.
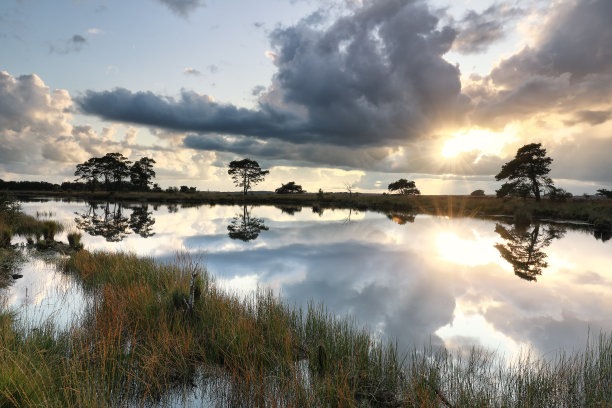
(423, 280)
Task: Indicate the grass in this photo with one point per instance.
(137, 343)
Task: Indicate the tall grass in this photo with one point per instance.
(138, 344)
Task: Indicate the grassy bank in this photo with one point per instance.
(594, 211)
(139, 344)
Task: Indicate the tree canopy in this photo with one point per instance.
(290, 188)
(404, 186)
(245, 173)
(602, 192)
(112, 169)
(527, 172)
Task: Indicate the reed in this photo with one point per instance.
(139, 344)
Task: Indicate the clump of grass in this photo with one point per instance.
(74, 241)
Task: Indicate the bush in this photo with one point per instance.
(477, 193)
(290, 188)
(559, 194)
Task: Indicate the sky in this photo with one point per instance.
(324, 93)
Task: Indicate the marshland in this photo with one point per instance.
(136, 304)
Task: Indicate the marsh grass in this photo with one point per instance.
(137, 344)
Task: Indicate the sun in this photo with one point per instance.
(475, 139)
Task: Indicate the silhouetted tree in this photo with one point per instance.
(290, 188)
(89, 172)
(141, 173)
(112, 168)
(523, 248)
(526, 173)
(404, 186)
(602, 192)
(246, 173)
(244, 227)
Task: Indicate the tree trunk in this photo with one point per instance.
(536, 189)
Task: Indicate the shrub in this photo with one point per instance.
(477, 193)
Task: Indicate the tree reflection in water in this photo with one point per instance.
(401, 218)
(108, 220)
(141, 221)
(244, 227)
(523, 247)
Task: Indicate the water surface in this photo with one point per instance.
(419, 279)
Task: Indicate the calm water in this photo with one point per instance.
(424, 279)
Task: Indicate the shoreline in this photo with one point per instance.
(593, 212)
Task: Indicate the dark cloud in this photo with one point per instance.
(258, 90)
(477, 31)
(73, 44)
(182, 8)
(568, 70)
(191, 112)
(375, 77)
(587, 159)
(590, 117)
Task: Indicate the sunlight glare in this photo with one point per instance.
(475, 139)
(467, 252)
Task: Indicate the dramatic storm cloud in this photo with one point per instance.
(477, 31)
(568, 69)
(375, 77)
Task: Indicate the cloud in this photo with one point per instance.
(591, 117)
(568, 69)
(73, 44)
(182, 8)
(257, 90)
(374, 77)
(38, 136)
(477, 31)
(191, 71)
(33, 120)
(95, 31)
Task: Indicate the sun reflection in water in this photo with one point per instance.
(468, 252)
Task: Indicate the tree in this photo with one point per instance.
(290, 188)
(404, 186)
(527, 172)
(477, 193)
(115, 166)
(602, 192)
(245, 173)
(88, 172)
(141, 173)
